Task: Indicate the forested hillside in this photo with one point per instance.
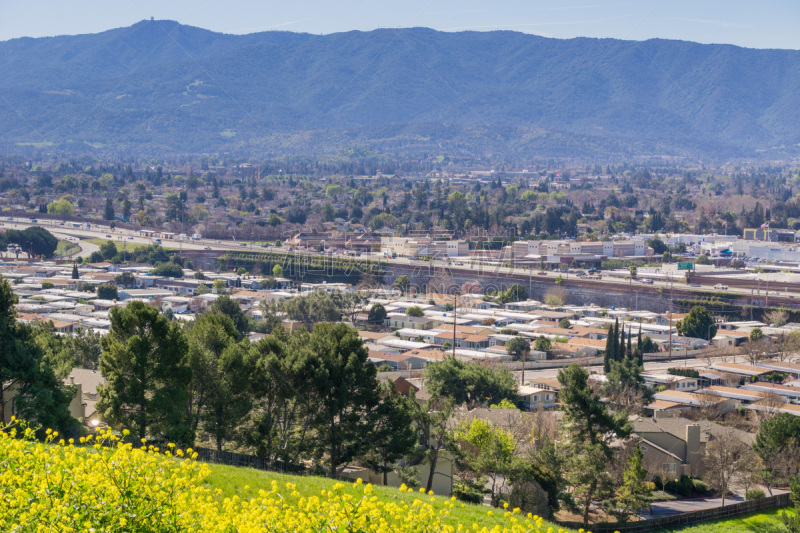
(159, 86)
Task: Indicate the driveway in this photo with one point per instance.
(695, 504)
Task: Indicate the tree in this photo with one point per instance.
(218, 394)
(431, 419)
(515, 293)
(107, 291)
(279, 425)
(542, 344)
(312, 308)
(277, 271)
(201, 289)
(168, 269)
(108, 250)
(792, 522)
(231, 308)
(486, 451)
(350, 304)
(632, 496)
(777, 317)
(518, 348)
(469, 383)
(471, 287)
(26, 381)
(725, 457)
(698, 324)
(588, 431)
(625, 387)
(778, 445)
(348, 392)
(415, 311)
(126, 280)
(108, 212)
(146, 372)
(33, 240)
(377, 314)
(610, 352)
(402, 283)
(75, 273)
(392, 438)
(218, 286)
(555, 297)
(564, 323)
(61, 208)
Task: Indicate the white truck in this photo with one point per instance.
(721, 287)
(197, 237)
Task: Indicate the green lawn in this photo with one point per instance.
(246, 482)
(760, 522)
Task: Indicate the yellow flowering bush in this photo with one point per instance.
(105, 485)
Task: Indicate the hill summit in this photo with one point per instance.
(162, 87)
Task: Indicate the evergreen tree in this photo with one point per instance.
(219, 399)
(639, 348)
(392, 438)
(635, 489)
(609, 355)
(108, 212)
(629, 351)
(589, 429)
(26, 380)
(348, 392)
(146, 371)
(75, 273)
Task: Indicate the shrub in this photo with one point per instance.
(700, 486)
(754, 494)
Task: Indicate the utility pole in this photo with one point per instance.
(671, 286)
(455, 315)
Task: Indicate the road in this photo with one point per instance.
(674, 507)
(652, 366)
(460, 266)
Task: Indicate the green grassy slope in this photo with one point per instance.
(761, 522)
(246, 482)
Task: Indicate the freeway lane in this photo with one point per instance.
(464, 267)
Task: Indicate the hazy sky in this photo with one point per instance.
(751, 23)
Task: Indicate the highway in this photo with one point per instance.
(665, 280)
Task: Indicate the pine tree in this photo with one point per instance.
(144, 362)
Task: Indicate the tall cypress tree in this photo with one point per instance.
(616, 340)
(609, 355)
(639, 351)
(630, 350)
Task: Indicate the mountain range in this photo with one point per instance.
(159, 87)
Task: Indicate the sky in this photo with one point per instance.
(748, 23)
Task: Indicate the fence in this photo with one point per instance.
(780, 500)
